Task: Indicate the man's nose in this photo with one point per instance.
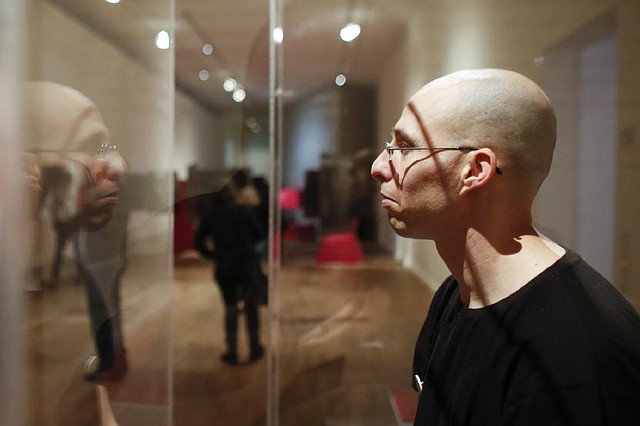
(112, 167)
(381, 168)
(117, 167)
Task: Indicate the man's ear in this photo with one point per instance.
(480, 167)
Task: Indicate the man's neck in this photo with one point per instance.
(488, 271)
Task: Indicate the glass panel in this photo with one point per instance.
(344, 355)
(223, 181)
(105, 182)
(99, 143)
(12, 223)
(349, 312)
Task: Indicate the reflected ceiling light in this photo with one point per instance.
(162, 40)
(207, 49)
(341, 80)
(229, 84)
(350, 32)
(204, 75)
(239, 95)
(113, 1)
(278, 35)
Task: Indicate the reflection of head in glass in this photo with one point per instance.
(69, 149)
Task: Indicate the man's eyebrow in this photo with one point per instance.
(402, 135)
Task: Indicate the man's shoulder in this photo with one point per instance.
(590, 295)
(576, 325)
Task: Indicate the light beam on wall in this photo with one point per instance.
(162, 40)
(278, 35)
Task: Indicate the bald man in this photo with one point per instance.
(523, 332)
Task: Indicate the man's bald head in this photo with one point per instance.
(499, 109)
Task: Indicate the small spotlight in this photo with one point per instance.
(538, 60)
(204, 75)
(113, 1)
(350, 32)
(239, 95)
(162, 40)
(229, 84)
(341, 80)
(207, 49)
(278, 35)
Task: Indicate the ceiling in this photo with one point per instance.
(312, 52)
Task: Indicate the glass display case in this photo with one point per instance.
(123, 123)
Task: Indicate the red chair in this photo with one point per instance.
(340, 247)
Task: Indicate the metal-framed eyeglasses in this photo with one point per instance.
(390, 149)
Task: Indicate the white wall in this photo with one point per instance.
(311, 129)
(627, 212)
(576, 205)
(198, 137)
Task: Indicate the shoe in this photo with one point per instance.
(93, 372)
(256, 353)
(230, 358)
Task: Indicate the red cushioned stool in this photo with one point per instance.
(339, 247)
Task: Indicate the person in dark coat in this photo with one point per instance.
(227, 234)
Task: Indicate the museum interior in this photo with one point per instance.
(298, 97)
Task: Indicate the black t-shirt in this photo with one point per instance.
(562, 350)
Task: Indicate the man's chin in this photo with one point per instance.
(96, 218)
(398, 226)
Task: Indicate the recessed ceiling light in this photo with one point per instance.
(207, 49)
(239, 95)
(204, 75)
(538, 60)
(350, 32)
(229, 84)
(113, 1)
(162, 40)
(341, 80)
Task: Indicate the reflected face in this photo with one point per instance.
(81, 191)
(418, 188)
(100, 194)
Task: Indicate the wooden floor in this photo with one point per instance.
(342, 343)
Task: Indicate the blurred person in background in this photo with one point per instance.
(227, 234)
